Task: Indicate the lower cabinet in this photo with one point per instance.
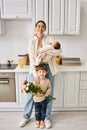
(83, 98)
(21, 97)
(58, 91)
(66, 90)
(70, 90)
(83, 90)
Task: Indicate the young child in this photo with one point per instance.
(40, 100)
(50, 48)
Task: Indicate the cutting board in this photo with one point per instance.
(71, 61)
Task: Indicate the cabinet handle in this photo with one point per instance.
(4, 82)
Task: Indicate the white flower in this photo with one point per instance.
(28, 84)
(27, 88)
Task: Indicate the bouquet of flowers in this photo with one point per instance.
(28, 87)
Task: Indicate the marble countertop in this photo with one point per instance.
(60, 68)
(72, 68)
(24, 69)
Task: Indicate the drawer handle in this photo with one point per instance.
(4, 82)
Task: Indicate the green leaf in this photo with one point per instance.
(34, 89)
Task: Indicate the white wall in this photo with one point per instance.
(18, 33)
(15, 41)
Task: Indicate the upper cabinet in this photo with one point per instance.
(64, 16)
(2, 23)
(16, 9)
(56, 16)
(72, 17)
(61, 16)
(40, 11)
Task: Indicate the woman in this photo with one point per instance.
(38, 41)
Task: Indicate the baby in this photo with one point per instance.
(49, 49)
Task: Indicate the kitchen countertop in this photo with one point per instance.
(63, 68)
(24, 69)
(81, 67)
(17, 69)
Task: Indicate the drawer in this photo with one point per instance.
(83, 76)
(83, 84)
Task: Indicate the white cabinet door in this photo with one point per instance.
(64, 16)
(56, 16)
(58, 91)
(21, 97)
(83, 98)
(83, 90)
(72, 17)
(2, 23)
(40, 11)
(71, 89)
(16, 9)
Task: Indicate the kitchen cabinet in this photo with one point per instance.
(58, 91)
(66, 90)
(21, 97)
(83, 90)
(61, 16)
(71, 89)
(16, 9)
(2, 23)
(72, 17)
(40, 11)
(56, 16)
(64, 16)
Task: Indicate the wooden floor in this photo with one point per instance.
(60, 121)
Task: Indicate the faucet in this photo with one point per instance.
(9, 62)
